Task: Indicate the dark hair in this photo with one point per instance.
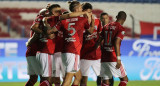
(102, 14)
(121, 15)
(65, 12)
(72, 5)
(86, 6)
(53, 6)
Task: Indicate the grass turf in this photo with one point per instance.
(92, 83)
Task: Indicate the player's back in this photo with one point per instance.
(110, 33)
(73, 29)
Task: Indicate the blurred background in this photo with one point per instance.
(140, 49)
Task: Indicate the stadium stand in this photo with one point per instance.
(119, 1)
(3, 34)
(17, 22)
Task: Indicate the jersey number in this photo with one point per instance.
(71, 28)
(108, 39)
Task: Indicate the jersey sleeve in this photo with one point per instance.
(120, 33)
(86, 23)
(38, 19)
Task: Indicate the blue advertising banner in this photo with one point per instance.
(12, 47)
(140, 47)
(137, 68)
(141, 59)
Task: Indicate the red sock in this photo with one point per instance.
(103, 84)
(123, 83)
(83, 85)
(74, 85)
(57, 84)
(45, 83)
(29, 83)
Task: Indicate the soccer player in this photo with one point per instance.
(104, 17)
(59, 69)
(90, 57)
(32, 48)
(73, 29)
(111, 64)
(50, 22)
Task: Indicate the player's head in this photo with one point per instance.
(75, 6)
(87, 7)
(43, 12)
(104, 17)
(121, 17)
(55, 9)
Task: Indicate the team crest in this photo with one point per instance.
(123, 32)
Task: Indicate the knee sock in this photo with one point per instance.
(123, 83)
(103, 84)
(29, 83)
(57, 84)
(98, 81)
(83, 85)
(45, 83)
(74, 85)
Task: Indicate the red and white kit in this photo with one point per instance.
(32, 64)
(73, 29)
(109, 33)
(46, 51)
(90, 57)
(59, 68)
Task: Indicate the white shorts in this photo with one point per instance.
(33, 66)
(86, 64)
(59, 69)
(46, 63)
(71, 62)
(108, 69)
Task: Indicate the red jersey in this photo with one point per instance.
(47, 45)
(73, 29)
(88, 51)
(109, 33)
(33, 48)
(59, 41)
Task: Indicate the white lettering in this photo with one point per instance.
(92, 36)
(1, 69)
(11, 49)
(151, 64)
(143, 48)
(10, 66)
(70, 39)
(22, 70)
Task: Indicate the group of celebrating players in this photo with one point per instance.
(68, 44)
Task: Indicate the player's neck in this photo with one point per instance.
(120, 22)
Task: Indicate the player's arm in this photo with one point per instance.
(71, 15)
(92, 24)
(100, 39)
(32, 39)
(35, 28)
(117, 51)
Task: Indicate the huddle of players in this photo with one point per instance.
(72, 43)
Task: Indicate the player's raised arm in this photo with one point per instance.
(71, 15)
(35, 28)
(91, 21)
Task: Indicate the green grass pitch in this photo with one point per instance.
(92, 83)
